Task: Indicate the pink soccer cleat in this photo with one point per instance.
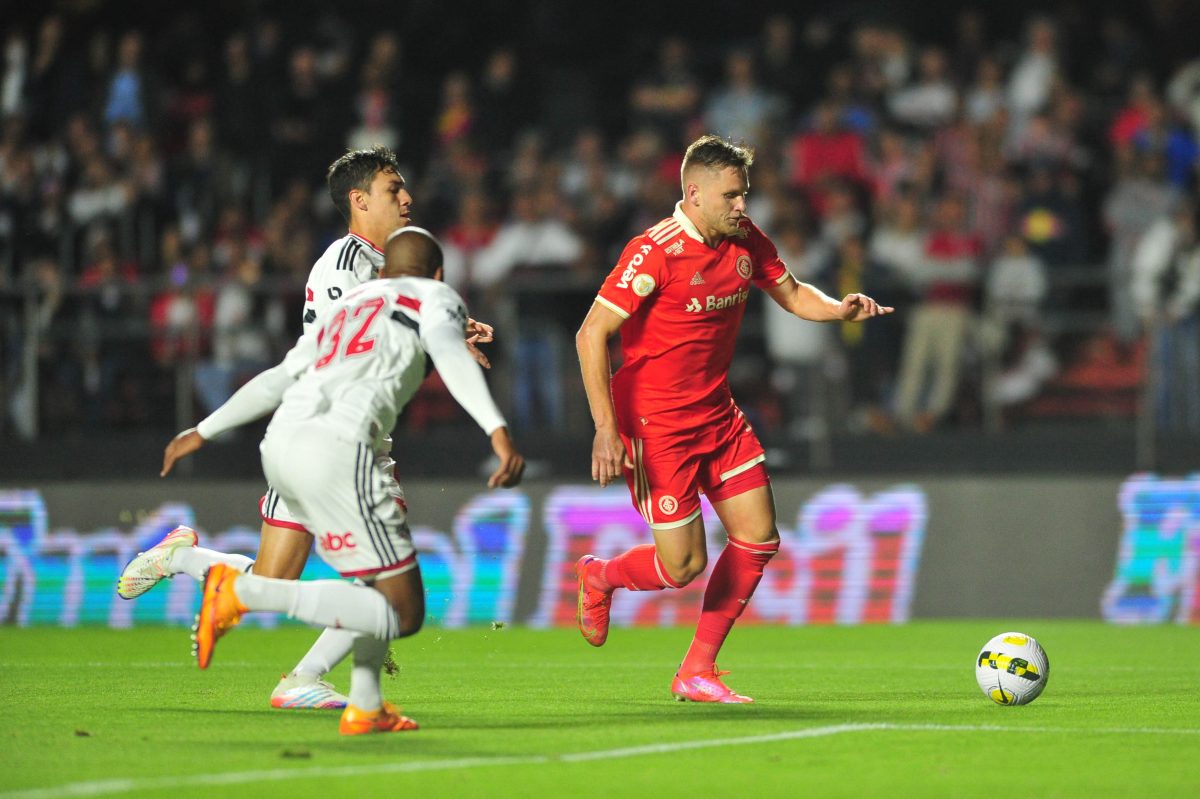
(706, 686)
(591, 610)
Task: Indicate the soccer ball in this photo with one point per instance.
(1012, 669)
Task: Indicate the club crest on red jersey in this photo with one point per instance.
(668, 504)
(744, 267)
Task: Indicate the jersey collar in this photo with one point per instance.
(366, 241)
(688, 227)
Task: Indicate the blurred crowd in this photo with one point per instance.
(1026, 197)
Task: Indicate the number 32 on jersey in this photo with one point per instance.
(358, 343)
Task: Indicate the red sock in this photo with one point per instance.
(732, 583)
(639, 569)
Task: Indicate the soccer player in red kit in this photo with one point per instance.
(667, 419)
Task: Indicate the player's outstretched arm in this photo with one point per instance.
(512, 463)
(442, 338)
(181, 446)
(262, 394)
(591, 342)
(809, 302)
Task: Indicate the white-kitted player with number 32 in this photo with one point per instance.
(344, 382)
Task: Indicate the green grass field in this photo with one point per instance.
(841, 712)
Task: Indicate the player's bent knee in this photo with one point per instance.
(411, 626)
(685, 576)
(408, 609)
(411, 617)
(689, 568)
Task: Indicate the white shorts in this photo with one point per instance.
(340, 492)
(275, 511)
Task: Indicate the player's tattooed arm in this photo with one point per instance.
(181, 446)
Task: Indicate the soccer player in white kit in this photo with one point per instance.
(346, 381)
(368, 190)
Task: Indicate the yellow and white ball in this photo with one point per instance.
(1012, 669)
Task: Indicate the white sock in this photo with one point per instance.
(195, 561)
(365, 691)
(330, 648)
(327, 603)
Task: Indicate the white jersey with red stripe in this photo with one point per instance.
(345, 265)
(358, 367)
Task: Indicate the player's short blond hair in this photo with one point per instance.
(714, 152)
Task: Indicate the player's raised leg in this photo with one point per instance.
(394, 608)
(661, 485)
(675, 559)
(176, 553)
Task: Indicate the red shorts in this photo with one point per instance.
(666, 474)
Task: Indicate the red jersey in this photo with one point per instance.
(959, 252)
(683, 302)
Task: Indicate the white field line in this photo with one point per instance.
(190, 663)
(132, 784)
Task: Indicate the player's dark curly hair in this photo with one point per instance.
(714, 152)
(355, 170)
(412, 251)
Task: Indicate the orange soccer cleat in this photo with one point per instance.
(220, 610)
(591, 610)
(386, 719)
(706, 686)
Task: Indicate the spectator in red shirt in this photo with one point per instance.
(825, 151)
(937, 329)
(1135, 116)
(182, 315)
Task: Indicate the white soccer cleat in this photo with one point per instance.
(143, 572)
(301, 691)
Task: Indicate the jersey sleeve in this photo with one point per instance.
(262, 394)
(769, 268)
(443, 325)
(638, 275)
